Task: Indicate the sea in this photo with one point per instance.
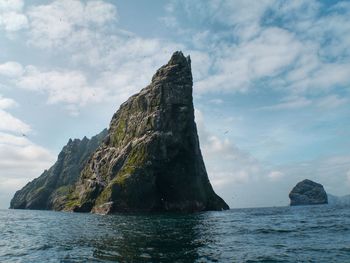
(276, 234)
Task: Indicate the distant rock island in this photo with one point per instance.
(148, 160)
(308, 192)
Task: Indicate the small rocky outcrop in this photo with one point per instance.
(151, 159)
(308, 192)
(50, 189)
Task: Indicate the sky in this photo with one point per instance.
(271, 85)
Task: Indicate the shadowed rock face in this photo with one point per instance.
(50, 189)
(308, 192)
(150, 160)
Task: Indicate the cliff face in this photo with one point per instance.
(308, 192)
(50, 189)
(150, 160)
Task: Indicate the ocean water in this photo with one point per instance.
(281, 234)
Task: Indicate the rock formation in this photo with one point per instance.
(308, 192)
(50, 189)
(150, 159)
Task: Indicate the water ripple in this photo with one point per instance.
(285, 234)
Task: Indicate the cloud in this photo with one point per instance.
(11, 16)
(331, 101)
(295, 102)
(73, 89)
(317, 77)
(238, 66)
(216, 101)
(8, 122)
(12, 124)
(298, 47)
(275, 175)
(289, 104)
(104, 62)
(6, 103)
(11, 69)
(243, 16)
(226, 164)
(61, 22)
(11, 5)
(12, 21)
(20, 161)
(70, 87)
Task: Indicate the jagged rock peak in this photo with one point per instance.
(178, 64)
(179, 58)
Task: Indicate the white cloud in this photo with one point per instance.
(6, 103)
(61, 22)
(289, 104)
(11, 5)
(331, 101)
(216, 101)
(296, 102)
(238, 66)
(20, 161)
(11, 69)
(11, 16)
(275, 175)
(100, 12)
(12, 124)
(320, 78)
(226, 164)
(70, 87)
(250, 42)
(13, 21)
(8, 122)
(121, 63)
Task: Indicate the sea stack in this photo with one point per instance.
(308, 192)
(148, 160)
